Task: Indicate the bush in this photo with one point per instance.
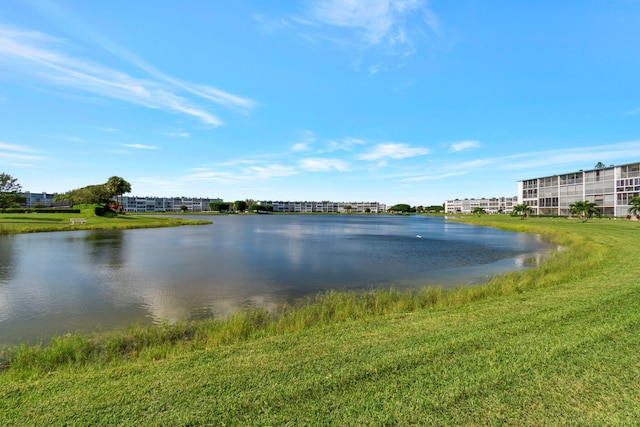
(99, 210)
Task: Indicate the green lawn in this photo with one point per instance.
(559, 345)
(41, 222)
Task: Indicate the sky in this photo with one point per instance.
(395, 101)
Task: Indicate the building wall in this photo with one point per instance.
(166, 204)
(611, 188)
(326, 207)
(33, 199)
(491, 206)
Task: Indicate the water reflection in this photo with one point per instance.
(85, 280)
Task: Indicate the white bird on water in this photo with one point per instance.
(418, 236)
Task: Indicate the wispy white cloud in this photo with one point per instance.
(300, 146)
(141, 146)
(270, 25)
(15, 147)
(463, 145)
(433, 177)
(311, 142)
(272, 171)
(43, 58)
(633, 112)
(323, 165)
(178, 134)
(240, 172)
(344, 144)
(393, 151)
(529, 164)
(387, 23)
(17, 154)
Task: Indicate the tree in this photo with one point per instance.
(240, 205)
(183, 208)
(91, 194)
(600, 165)
(635, 206)
(401, 207)
(478, 211)
(347, 208)
(9, 189)
(584, 209)
(117, 186)
(522, 210)
(261, 208)
(219, 206)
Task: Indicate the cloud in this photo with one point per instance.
(463, 145)
(433, 177)
(344, 144)
(42, 58)
(178, 134)
(300, 146)
(15, 147)
(141, 146)
(323, 165)
(530, 164)
(388, 23)
(242, 173)
(393, 151)
(13, 152)
(271, 171)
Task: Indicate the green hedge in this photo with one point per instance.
(39, 210)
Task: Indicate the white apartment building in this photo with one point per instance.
(610, 187)
(326, 207)
(166, 204)
(492, 205)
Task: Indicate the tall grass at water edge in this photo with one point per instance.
(583, 253)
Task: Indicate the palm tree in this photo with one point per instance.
(584, 209)
(478, 211)
(522, 210)
(635, 206)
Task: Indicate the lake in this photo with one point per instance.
(54, 283)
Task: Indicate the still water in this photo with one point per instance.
(54, 283)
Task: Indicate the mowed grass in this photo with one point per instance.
(558, 345)
(42, 222)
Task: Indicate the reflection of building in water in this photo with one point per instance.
(493, 205)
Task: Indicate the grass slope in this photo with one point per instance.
(555, 345)
(41, 222)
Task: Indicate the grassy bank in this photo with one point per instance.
(42, 222)
(555, 345)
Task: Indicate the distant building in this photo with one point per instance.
(611, 188)
(493, 205)
(325, 206)
(37, 199)
(166, 204)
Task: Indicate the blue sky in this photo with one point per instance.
(402, 101)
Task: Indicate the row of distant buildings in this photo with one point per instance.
(610, 187)
(196, 204)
